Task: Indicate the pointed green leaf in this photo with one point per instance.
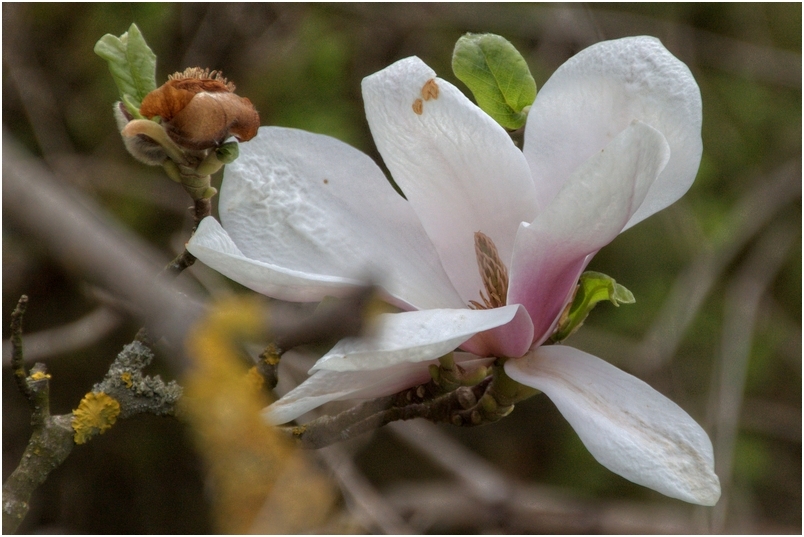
(497, 75)
(132, 64)
(593, 287)
(622, 295)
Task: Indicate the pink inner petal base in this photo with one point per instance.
(588, 213)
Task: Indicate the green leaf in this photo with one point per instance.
(593, 287)
(132, 64)
(497, 75)
(228, 152)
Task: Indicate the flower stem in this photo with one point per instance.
(486, 402)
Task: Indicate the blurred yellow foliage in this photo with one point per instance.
(261, 481)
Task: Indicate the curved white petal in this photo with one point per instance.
(595, 95)
(415, 336)
(325, 386)
(212, 245)
(588, 213)
(457, 167)
(629, 427)
(311, 204)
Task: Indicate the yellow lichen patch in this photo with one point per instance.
(271, 355)
(430, 90)
(262, 483)
(418, 106)
(96, 413)
(38, 375)
(126, 378)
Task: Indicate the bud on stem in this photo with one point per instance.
(181, 125)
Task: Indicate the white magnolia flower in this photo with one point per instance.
(613, 137)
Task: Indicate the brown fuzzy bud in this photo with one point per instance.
(199, 109)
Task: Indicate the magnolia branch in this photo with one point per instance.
(454, 396)
(201, 209)
(448, 408)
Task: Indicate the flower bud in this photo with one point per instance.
(199, 109)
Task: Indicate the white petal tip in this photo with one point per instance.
(709, 492)
(626, 425)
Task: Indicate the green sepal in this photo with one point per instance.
(228, 152)
(132, 64)
(172, 170)
(593, 287)
(497, 75)
(209, 165)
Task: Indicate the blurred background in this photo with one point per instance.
(717, 276)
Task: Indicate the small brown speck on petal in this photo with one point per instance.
(418, 106)
(430, 90)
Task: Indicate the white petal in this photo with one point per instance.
(629, 427)
(325, 386)
(212, 245)
(595, 95)
(457, 167)
(311, 204)
(587, 214)
(414, 336)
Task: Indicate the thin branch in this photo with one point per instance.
(416, 402)
(32, 87)
(50, 442)
(772, 418)
(749, 216)
(17, 358)
(461, 397)
(201, 209)
(137, 393)
(49, 446)
(475, 474)
(370, 508)
(439, 507)
(67, 338)
(743, 298)
(268, 365)
(54, 437)
(82, 238)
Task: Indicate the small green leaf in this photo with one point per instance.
(593, 287)
(228, 152)
(497, 75)
(132, 64)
